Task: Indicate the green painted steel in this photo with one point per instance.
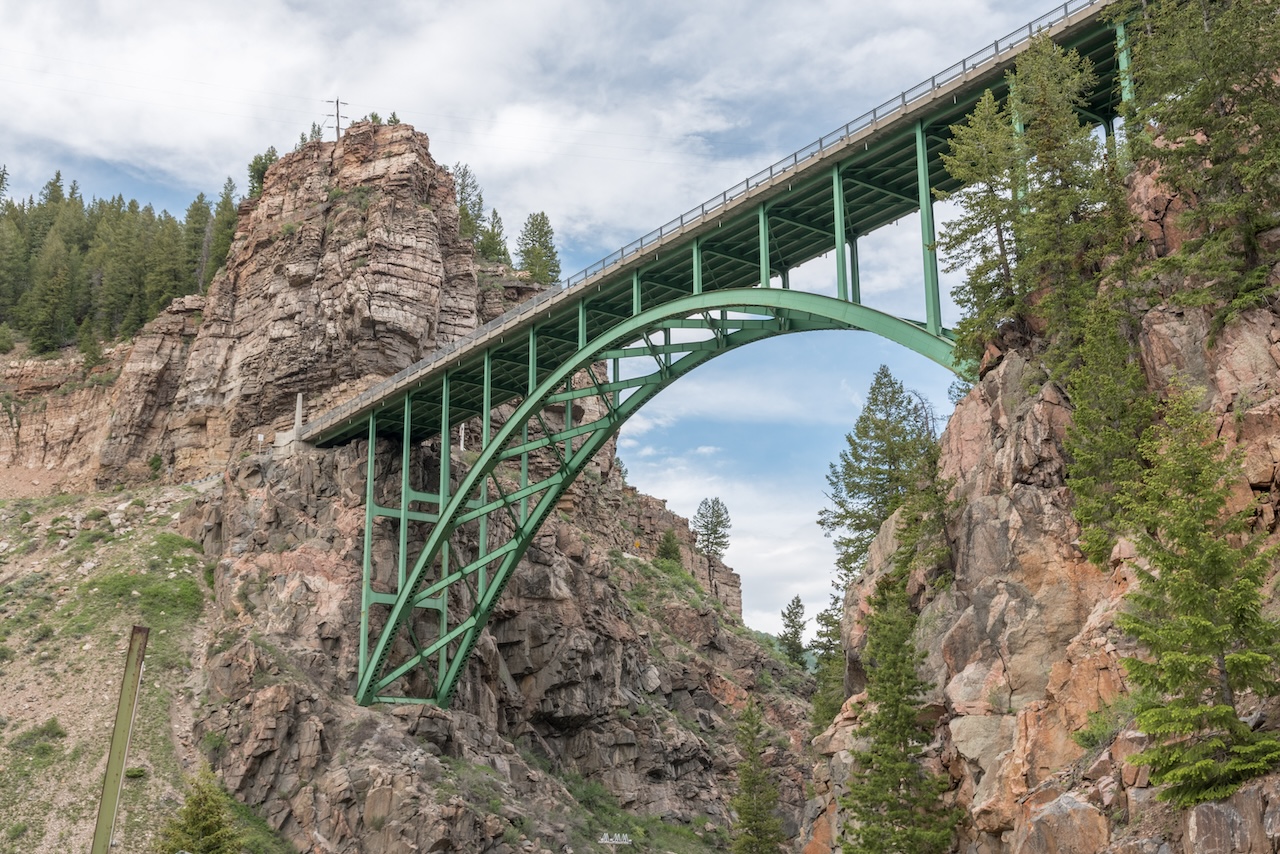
(651, 312)
(528, 471)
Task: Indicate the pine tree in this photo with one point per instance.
(165, 265)
(791, 639)
(197, 228)
(669, 547)
(986, 159)
(46, 309)
(1065, 230)
(88, 345)
(470, 200)
(14, 279)
(225, 217)
(893, 802)
(1111, 407)
(258, 167)
(711, 525)
(758, 830)
(1206, 98)
(203, 825)
(829, 664)
(536, 250)
(877, 469)
(1198, 612)
(492, 241)
(1034, 222)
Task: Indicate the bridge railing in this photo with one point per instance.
(996, 50)
(889, 109)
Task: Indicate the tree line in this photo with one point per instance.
(97, 270)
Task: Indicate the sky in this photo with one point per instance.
(611, 117)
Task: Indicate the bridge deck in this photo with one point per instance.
(717, 245)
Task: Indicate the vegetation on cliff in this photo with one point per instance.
(1198, 611)
(1055, 264)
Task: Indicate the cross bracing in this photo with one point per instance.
(545, 386)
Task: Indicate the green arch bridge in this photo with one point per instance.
(552, 380)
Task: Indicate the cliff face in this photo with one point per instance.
(346, 269)
(593, 668)
(1022, 644)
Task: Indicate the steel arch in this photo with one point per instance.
(714, 323)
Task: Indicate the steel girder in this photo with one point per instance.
(443, 596)
(698, 287)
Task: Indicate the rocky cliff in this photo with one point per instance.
(1020, 631)
(347, 268)
(602, 696)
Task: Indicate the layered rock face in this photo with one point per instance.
(1020, 631)
(346, 269)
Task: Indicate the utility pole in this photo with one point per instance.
(337, 118)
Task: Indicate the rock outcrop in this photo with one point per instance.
(1020, 637)
(592, 668)
(347, 268)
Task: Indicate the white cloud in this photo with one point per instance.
(612, 117)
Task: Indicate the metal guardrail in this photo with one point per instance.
(994, 52)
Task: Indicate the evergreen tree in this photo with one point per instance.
(165, 276)
(1198, 612)
(197, 228)
(1034, 221)
(393, 119)
(877, 469)
(536, 250)
(669, 547)
(46, 307)
(204, 824)
(1111, 409)
(13, 267)
(492, 241)
(470, 200)
(758, 829)
(985, 158)
(1206, 103)
(1065, 231)
(791, 639)
(225, 216)
(711, 525)
(87, 343)
(893, 802)
(829, 664)
(258, 167)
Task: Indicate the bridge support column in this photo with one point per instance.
(1122, 60)
(837, 201)
(855, 279)
(697, 265)
(764, 247)
(932, 301)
